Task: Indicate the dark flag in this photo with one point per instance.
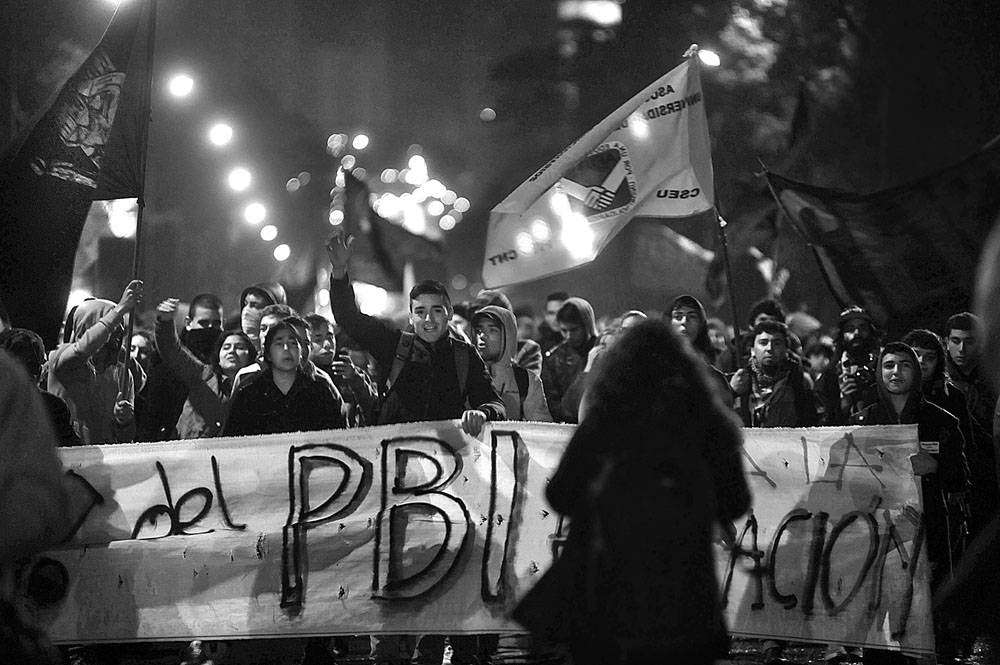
(906, 254)
(88, 145)
(381, 248)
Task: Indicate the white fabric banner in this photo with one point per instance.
(420, 528)
(652, 157)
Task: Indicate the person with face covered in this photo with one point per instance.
(253, 300)
(208, 384)
(166, 393)
(284, 397)
(89, 372)
(495, 335)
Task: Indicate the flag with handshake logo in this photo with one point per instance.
(650, 158)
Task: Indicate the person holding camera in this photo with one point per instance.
(857, 349)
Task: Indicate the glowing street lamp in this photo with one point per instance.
(360, 142)
(239, 179)
(282, 252)
(181, 85)
(709, 58)
(254, 213)
(269, 233)
(220, 134)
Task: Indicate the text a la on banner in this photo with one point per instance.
(420, 528)
(650, 158)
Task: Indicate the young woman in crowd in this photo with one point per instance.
(209, 384)
(283, 397)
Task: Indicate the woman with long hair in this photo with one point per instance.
(209, 384)
(653, 466)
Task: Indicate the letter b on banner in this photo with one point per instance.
(421, 530)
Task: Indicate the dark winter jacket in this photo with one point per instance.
(562, 363)
(428, 386)
(259, 407)
(936, 428)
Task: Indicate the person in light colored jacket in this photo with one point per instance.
(495, 336)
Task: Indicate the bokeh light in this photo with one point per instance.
(180, 85)
(462, 204)
(122, 217)
(336, 217)
(447, 223)
(487, 115)
(709, 58)
(269, 232)
(282, 252)
(348, 161)
(293, 185)
(239, 179)
(435, 208)
(220, 134)
(254, 213)
(360, 142)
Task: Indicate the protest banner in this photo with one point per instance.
(419, 528)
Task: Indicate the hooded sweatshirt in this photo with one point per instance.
(534, 406)
(562, 363)
(939, 435)
(91, 395)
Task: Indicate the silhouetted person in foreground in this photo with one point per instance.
(653, 465)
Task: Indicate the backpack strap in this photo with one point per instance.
(521, 378)
(462, 367)
(403, 350)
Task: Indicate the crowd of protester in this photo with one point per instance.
(273, 369)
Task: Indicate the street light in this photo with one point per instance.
(181, 85)
(220, 134)
(269, 233)
(282, 252)
(239, 179)
(360, 142)
(254, 213)
(709, 58)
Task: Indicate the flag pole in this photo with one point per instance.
(145, 113)
(724, 246)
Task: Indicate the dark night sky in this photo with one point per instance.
(288, 74)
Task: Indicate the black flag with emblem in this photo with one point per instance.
(87, 145)
(906, 254)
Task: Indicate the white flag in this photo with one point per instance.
(650, 158)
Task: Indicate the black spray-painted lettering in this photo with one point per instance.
(405, 461)
(305, 514)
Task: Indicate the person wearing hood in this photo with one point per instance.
(252, 302)
(87, 371)
(941, 464)
(495, 335)
(529, 352)
(563, 362)
(687, 316)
